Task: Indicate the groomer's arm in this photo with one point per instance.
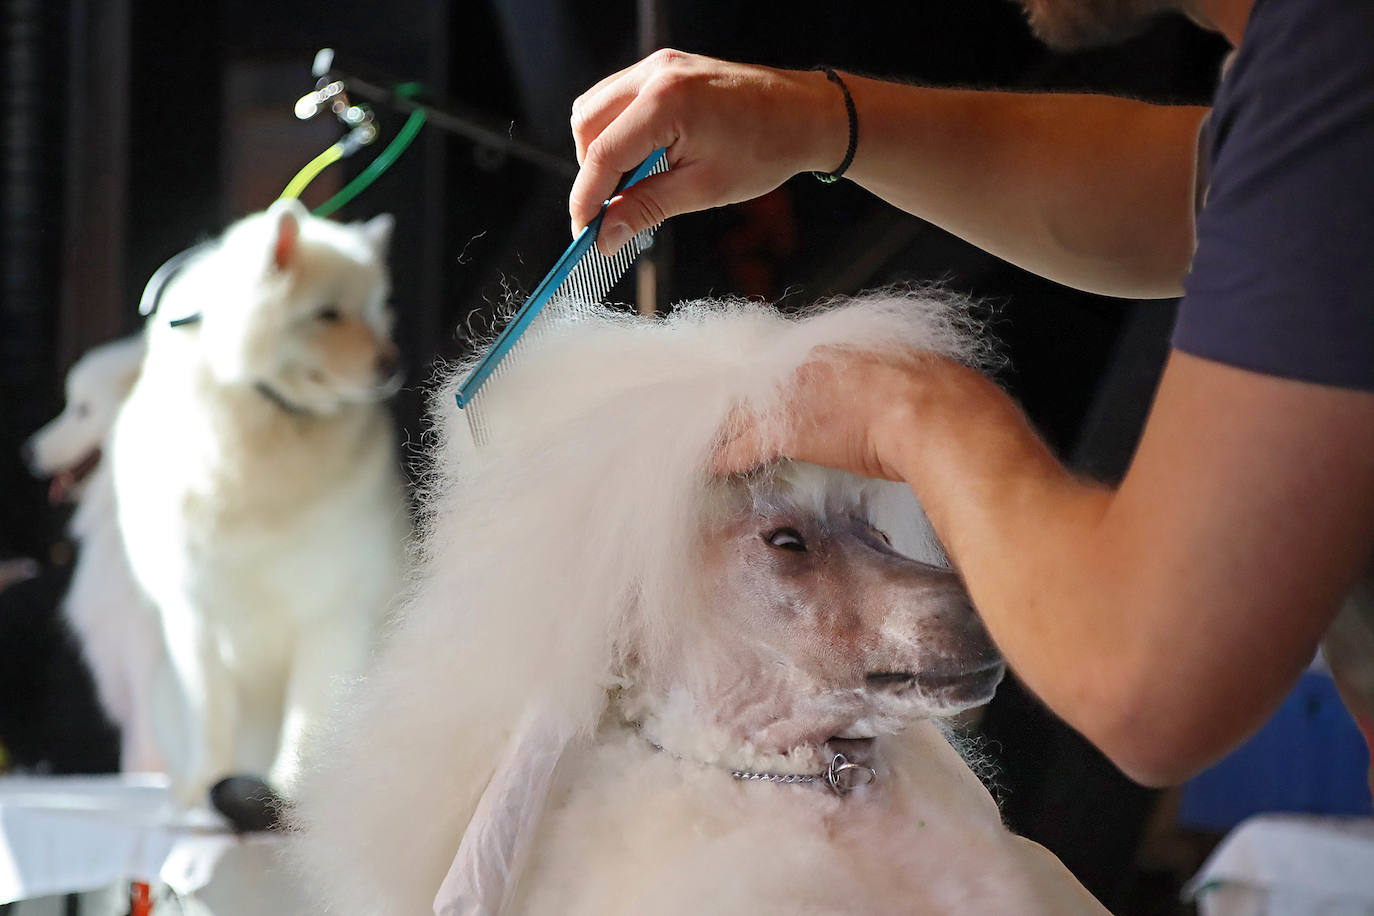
(1165, 619)
(1092, 191)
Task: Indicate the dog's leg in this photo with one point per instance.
(259, 723)
(145, 660)
(326, 658)
(209, 702)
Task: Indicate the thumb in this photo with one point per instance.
(646, 204)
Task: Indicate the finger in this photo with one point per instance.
(591, 118)
(640, 68)
(748, 441)
(599, 105)
(742, 454)
(651, 201)
(623, 144)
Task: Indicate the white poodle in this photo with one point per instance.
(116, 626)
(259, 484)
(624, 687)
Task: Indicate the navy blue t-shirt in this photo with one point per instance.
(1283, 278)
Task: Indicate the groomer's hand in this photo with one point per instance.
(870, 414)
(732, 131)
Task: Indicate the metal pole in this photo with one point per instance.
(462, 124)
(651, 267)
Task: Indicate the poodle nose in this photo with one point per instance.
(388, 361)
(889, 680)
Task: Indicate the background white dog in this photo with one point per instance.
(69, 447)
(603, 635)
(116, 626)
(259, 484)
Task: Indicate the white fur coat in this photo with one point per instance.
(556, 561)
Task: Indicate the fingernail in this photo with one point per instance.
(612, 238)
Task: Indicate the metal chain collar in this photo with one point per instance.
(840, 776)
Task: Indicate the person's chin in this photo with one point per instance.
(1076, 30)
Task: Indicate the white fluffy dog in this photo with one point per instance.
(116, 627)
(67, 449)
(259, 485)
(621, 686)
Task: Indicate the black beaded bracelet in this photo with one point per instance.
(853, 113)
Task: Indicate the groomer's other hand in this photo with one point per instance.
(872, 414)
(732, 131)
(856, 411)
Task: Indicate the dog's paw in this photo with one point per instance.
(249, 804)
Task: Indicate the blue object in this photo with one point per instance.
(1309, 758)
(581, 247)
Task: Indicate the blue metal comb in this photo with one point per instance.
(578, 281)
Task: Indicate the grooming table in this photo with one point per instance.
(67, 835)
(1290, 865)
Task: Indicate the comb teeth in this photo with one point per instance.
(573, 289)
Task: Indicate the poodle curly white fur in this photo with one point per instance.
(565, 695)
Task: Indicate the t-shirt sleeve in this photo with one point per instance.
(1283, 278)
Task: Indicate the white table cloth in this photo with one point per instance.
(1290, 865)
(63, 835)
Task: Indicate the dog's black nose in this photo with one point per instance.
(388, 362)
(889, 680)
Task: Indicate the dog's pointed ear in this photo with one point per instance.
(285, 217)
(486, 868)
(378, 231)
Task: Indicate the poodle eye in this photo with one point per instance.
(883, 534)
(786, 539)
(329, 314)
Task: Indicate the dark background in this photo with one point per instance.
(134, 128)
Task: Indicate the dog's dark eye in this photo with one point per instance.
(329, 314)
(882, 534)
(786, 539)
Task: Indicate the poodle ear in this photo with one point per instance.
(486, 870)
(285, 216)
(378, 231)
